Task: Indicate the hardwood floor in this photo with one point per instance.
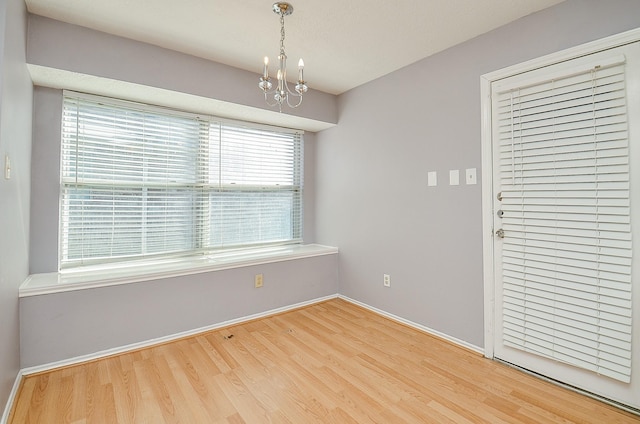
(331, 362)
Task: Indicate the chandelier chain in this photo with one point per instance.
(282, 34)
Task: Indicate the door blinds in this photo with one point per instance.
(564, 174)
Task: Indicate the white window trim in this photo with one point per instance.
(486, 80)
(212, 252)
(147, 270)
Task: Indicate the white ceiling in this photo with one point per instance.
(344, 43)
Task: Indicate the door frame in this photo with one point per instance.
(486, 80)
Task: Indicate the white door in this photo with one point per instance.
(566, 220)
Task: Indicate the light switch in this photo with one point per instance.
(432, 179)
(471, 176)
(454, 177)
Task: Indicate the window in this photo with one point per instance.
(140, 181)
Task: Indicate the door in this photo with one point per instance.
(566, 219)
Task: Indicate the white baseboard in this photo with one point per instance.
(12, 397)
(165, 339)
(412, 324)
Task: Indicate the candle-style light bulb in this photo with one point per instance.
(300, 70)
(265, 71)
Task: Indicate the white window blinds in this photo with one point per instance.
(564, 173)
(256, 181)
(139, 181)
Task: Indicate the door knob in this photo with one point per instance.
(500, 233)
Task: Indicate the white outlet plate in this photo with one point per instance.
(386, 280)
(432, 179)
(454, 177)
(258, 280)
(471, 176)
(7, 167)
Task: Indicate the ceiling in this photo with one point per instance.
(344, 43)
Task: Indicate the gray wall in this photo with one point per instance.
(45, 179)
(67, 47)
(15, 141)
(66, 325)
(369, 175)
(58, 45)
(371, 188)
(45, 187)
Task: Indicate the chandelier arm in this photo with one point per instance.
(290, 91)
(266, 99)
(287, 89)
(297, 104)
(275, 102)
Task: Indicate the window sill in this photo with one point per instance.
(56, 282)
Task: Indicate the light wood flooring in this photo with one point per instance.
(332, 362)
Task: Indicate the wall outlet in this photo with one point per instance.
(258, 280)
(471, 176)
(386, 280)
(7, 167)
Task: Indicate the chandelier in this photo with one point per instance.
(282, 93)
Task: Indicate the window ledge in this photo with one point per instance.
(56, 282)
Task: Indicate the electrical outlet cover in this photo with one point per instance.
(258, 280)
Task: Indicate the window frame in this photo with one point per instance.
(200, 188)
